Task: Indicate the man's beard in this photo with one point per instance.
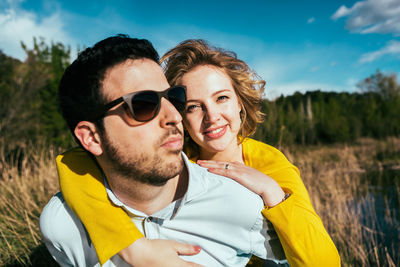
(147, 168)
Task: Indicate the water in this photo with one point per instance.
(379, 210)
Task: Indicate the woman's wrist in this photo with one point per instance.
(286, 196)
(272, 195)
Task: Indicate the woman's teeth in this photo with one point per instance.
(216, 130)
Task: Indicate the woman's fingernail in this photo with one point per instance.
(197, 248)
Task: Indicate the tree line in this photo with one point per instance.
(28, 96)
(328, 117)
(29, 111)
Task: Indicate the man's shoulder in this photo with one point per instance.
(58, 224)
(65, 236)
(56, 203)
(53, 212)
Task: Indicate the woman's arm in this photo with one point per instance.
(109, 227)
(158, 252)
(300, 230)
(302, 233)
(254, 180)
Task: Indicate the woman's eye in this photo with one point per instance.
(191, 108)
(222, 98)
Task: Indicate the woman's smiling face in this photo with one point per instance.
(212, 115)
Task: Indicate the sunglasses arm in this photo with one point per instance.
(102, 110)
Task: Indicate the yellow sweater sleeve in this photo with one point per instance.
(82, 186)
(300, 230)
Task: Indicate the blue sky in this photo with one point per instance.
(293, 45)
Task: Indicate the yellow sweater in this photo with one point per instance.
(300, 230)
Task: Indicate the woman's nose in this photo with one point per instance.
(211, 115)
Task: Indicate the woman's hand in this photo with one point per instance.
(158, 252)
(256, 181)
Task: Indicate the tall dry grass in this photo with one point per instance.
(27, 181)
(347, 198)
(334, 176)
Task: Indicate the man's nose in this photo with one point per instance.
(169, 115)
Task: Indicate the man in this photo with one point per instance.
(137, 139)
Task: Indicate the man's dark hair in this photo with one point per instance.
(80, 87)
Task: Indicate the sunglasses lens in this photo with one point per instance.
(177, 96)
(145, 106)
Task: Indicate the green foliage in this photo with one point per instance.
(28, 96)
(384, 85)
(54, 127)
(327, 117)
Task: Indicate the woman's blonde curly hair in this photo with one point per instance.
(248, 86)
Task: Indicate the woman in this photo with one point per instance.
(222, 110)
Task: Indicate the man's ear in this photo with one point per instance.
(87, 134)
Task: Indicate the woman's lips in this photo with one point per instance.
(216, 133)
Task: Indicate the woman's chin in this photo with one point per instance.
(216, 147)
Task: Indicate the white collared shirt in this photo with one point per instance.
(216, 213)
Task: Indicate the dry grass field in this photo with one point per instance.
(352, 205)
(358, 204)
(26, 184)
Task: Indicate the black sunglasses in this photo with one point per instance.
(145, 105)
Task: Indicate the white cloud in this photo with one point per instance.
(372, 16)
(310, 20)
(391, 48)
(18, 25)
(341, 12)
